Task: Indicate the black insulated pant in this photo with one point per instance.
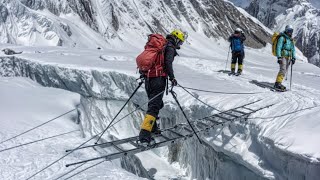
(237, 57)
(154, 86)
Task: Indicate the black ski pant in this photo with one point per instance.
(237, 57)
(154, 86)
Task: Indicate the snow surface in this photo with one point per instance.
(26, 104)
(293, 135)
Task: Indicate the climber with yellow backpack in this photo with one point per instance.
(284, 49)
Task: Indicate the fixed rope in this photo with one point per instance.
(96, 164)
(174, 95)
(219, 92)
(137, 108)
(198, 98)
(61, 157)
(38, 126)
(21, 145)
(69, 171)
(134, 92)
(79, 147)
(293, 112)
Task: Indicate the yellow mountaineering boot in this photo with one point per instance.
(279, 78)
(146, 127)
(278, 84)
(240, 66)
(233, 69)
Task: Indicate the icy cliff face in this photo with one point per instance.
(301, 14)
(108, 23)
(48, 22)
(267, 11)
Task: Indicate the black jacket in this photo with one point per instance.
(169, 54)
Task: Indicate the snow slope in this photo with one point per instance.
(303, 15)
(26, 104)
(272, 148)
(119, 24)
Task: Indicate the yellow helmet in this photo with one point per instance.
(178, 34)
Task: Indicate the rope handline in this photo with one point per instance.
(218, 92)
(184, 114)
(128, 114)
(62, 157)
(89, 139)
(134, 92)
(293, 112)
(14, 147)
(184, 88)
(199, 99)
(69, 171)
(85, 169)
(38, 126)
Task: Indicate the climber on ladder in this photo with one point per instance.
(155, 65)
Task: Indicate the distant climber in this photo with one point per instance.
(156, 75)
(236, 44)
(285, 52)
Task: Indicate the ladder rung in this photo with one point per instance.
(247, 108)
(239, 112)
(178, 134)
(134, 144)
(116, 147)
(165, 137)
(201, 123)
(117, 142)
(229, 114)
(187, 129)
(217, 115)
(213, 121)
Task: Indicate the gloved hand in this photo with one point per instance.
(279, 60)
(174, 82)
(293, 60)
(142, 75)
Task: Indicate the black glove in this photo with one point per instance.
(174, 82)
(142, 75)
(293, 60)
(279, 60)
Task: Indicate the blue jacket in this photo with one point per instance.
(286, 49)
(242, 38)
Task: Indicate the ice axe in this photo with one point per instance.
(291, 74)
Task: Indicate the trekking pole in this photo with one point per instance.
(227, 60)
(291, 75)
(287, 72)
(134, 92)
(174, 95)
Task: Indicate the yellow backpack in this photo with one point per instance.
(275, 38)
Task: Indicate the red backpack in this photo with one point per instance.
(151, 60)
